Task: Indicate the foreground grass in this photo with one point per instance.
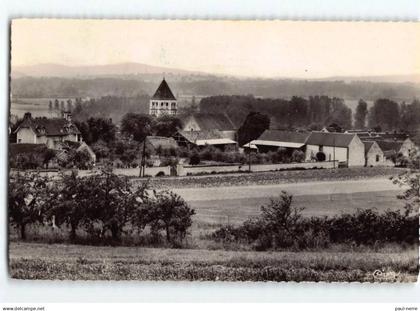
(75, 262)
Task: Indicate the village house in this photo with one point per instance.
(191, 139)
(163, 102)
(58, 134)
(393, 149)
(272, 140)
(207, 122)
(159, 144)
(374, 156)
(348, 149)
(47, 131)
(66, 147)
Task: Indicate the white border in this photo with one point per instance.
(67, 291)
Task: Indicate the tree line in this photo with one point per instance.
(105, 206)
(134, 85)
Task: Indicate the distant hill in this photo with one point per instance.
(130, 68)
(57, 70)
(413, 78)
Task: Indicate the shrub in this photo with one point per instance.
(195, 159)
(298, 156)
(282, 226)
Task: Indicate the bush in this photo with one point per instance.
(195, 159)
(298, 156)
(280, 226)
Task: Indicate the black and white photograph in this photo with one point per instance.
(213, 150)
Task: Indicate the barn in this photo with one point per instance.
(201, 139)
(272, 140)
(348, 149)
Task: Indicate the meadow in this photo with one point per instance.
(75, 262)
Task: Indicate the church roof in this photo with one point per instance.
(163, 92)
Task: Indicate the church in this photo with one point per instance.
(163, 101)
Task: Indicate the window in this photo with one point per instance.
(377, 158)
(19, 140)
(321, 148)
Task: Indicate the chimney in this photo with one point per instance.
(67, 116)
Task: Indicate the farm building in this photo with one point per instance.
(159, 144)
(191, 139)
(66, 147)
(272, 140)
(47, 131)
(374, 155)
(203, 122)
(163, 101)
(345, 148)
(395, 148)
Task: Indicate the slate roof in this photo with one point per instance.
(213, 121)
(163, 92)
(162, 142)
(284, 136)
(193, 136)
(330, 139)
(49, 127)
(390, 145)
(368, 145)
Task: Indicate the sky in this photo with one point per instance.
(243, 48)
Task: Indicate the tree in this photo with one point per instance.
(166, 126)
(410, 179)
(29, 198)
(100, 203)
(384, 113)
(254, 125)
(169, 212)
(101, 129)
(280, 219)
(137, 125)
(116, 202)
(360, 116)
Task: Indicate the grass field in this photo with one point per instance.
(235, 211)
(75, 262)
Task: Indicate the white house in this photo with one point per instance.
(345, 148)
(374, 156)
(163, 101)
(47, 131)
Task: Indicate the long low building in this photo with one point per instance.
(271, 140)
(191, 139)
